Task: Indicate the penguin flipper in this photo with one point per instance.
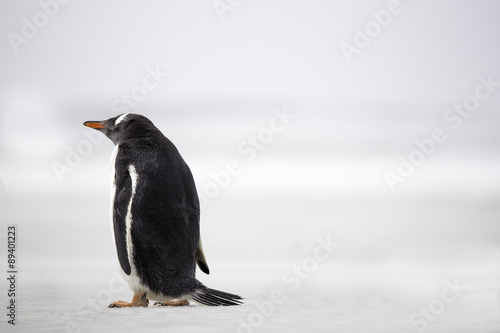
(200, 259)
(123, 196)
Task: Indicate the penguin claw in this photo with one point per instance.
(120, 304)
(139, 301)
(177, 302)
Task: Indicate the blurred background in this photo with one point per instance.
(316, 102)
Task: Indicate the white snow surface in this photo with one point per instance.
(73, 297)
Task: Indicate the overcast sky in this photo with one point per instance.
(217, 75)
(427, 51)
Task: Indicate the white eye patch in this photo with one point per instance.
(120, 119)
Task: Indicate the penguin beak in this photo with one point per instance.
(94, 124)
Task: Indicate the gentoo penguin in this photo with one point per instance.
(156, 217)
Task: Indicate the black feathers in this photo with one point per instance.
(212, 297)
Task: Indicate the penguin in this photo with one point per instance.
(155, 213)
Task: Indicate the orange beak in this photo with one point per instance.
(94, 124)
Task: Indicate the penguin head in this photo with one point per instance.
(124, 126)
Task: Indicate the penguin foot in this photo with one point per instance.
(137, 301)
(176, 302)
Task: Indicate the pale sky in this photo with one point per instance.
(428, 52)
(354, 121)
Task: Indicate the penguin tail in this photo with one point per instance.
(212, 297)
